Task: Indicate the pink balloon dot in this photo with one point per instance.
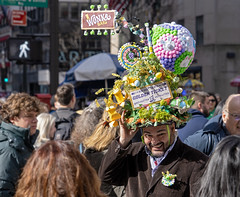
(174, 55)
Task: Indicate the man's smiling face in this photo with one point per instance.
(157, 138)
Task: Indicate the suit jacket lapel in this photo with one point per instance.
(172, 158)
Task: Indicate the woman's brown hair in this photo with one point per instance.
(57, 169)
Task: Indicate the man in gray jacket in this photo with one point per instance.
(17, 136)
(218, 127)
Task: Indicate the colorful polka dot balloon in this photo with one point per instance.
(128, 55)
(174, 46)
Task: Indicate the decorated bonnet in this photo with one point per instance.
(149, 92)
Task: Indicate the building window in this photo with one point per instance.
(180, 22)
(199, 30)
(63, 9)
(74, 10)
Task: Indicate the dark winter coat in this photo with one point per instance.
(16, 146)
(131, 167)
(197, 122)
(95, 158)
(206, 139)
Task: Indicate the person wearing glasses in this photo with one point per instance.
(213, 102)
(218, 127)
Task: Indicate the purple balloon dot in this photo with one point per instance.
(131, 55)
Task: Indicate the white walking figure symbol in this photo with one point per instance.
(23, 49)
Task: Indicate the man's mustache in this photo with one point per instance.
(159, 143)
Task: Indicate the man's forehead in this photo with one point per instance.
(160, 128)
(233, 106)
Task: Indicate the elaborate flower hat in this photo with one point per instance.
(149, 92)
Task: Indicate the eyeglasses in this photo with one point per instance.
(235, 116)
(212, 100)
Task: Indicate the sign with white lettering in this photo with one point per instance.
(19, 18)
(150, 94)
(98, 19)
(31, 3)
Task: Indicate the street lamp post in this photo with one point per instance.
(54, 45)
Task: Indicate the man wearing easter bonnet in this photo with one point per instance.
(152, 101)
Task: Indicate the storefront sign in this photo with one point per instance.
(150, 94)
(19, 18)
(98, 19)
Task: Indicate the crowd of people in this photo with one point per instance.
(59, 152)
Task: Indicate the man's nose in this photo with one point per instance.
(155, 139)
(35, 119)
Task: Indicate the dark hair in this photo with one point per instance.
(215, 98)
(65, 93)
(198, 96)
(219, 107)
(58, 169)
(222, 174)
(86, 123)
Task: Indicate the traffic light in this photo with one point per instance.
(24, 49)
(4, 77)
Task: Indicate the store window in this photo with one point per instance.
(63, 9)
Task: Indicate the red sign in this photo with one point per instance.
(98, 19)
(19, 18)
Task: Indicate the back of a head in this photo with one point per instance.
(17, 103)
(65, 94)
(222, 175)
(198, 96)
(219, 108)
(58, 169)
(86, 123)
(45, 123)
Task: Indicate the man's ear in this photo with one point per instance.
(173, 125)
(224, 116)
(13, 119)
(199, 105)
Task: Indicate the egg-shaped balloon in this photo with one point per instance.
(174, 46)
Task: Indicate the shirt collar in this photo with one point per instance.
(156, 161)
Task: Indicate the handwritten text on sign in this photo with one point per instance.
(98, 19)
(150, 94)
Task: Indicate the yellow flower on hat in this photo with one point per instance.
(118, 94)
